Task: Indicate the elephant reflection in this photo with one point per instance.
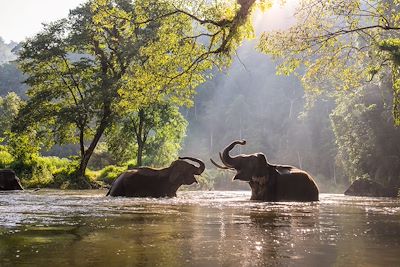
(149, 182)
(269, 182)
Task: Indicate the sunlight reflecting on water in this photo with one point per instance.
(198, 228)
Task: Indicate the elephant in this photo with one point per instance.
(9, 181)
(149, 182)
(269, 182)
(369, 188)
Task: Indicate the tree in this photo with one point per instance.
(85, 69)
(154, 133)
(340, 45)
(9, 107)
(23, 147)
(366, 139)
(115, 55)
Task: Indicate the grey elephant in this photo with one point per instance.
(269, 182)
(9, 181)
(149, 182)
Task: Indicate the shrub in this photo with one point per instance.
(62, 177)
(6, 159)
(110, 173)
(39, 171)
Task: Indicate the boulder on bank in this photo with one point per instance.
(369, 188)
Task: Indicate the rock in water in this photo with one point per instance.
(369, 188)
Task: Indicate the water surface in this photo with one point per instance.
(199, 228)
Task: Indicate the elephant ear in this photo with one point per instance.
(262, 163)
(262, 159)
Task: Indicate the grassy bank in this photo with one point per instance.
(59, 173)
(54, 172)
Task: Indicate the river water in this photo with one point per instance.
(197, 228)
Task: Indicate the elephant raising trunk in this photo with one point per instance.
(229, 161)
(269, 182)
(201, 167)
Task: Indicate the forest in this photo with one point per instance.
(119, 84)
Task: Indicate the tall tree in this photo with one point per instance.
(102, 59)
(111, 55)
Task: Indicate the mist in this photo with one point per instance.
(249, 101)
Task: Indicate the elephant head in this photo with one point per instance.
(247, 166)
(183, 172)
(179, 172)
(149, 182)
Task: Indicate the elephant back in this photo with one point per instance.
(297, 185)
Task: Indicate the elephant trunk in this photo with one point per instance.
(227, 159)
(201, 167)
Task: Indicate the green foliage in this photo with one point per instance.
(110, 173)
(101, 157)
(365, 136)
(396, 93)
(392, 45)
(354, 137)
(112, 57)
(65, 178)
(339, 45)
(24, 146)
(6, 158)
(9, 107)
(39, 171)
(154, 132)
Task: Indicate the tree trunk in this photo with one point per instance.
(140, 139)
(80, 174)
(140, 154)
(82, 141)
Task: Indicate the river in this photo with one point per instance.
(197, 228)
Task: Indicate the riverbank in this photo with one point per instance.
(59, 173)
